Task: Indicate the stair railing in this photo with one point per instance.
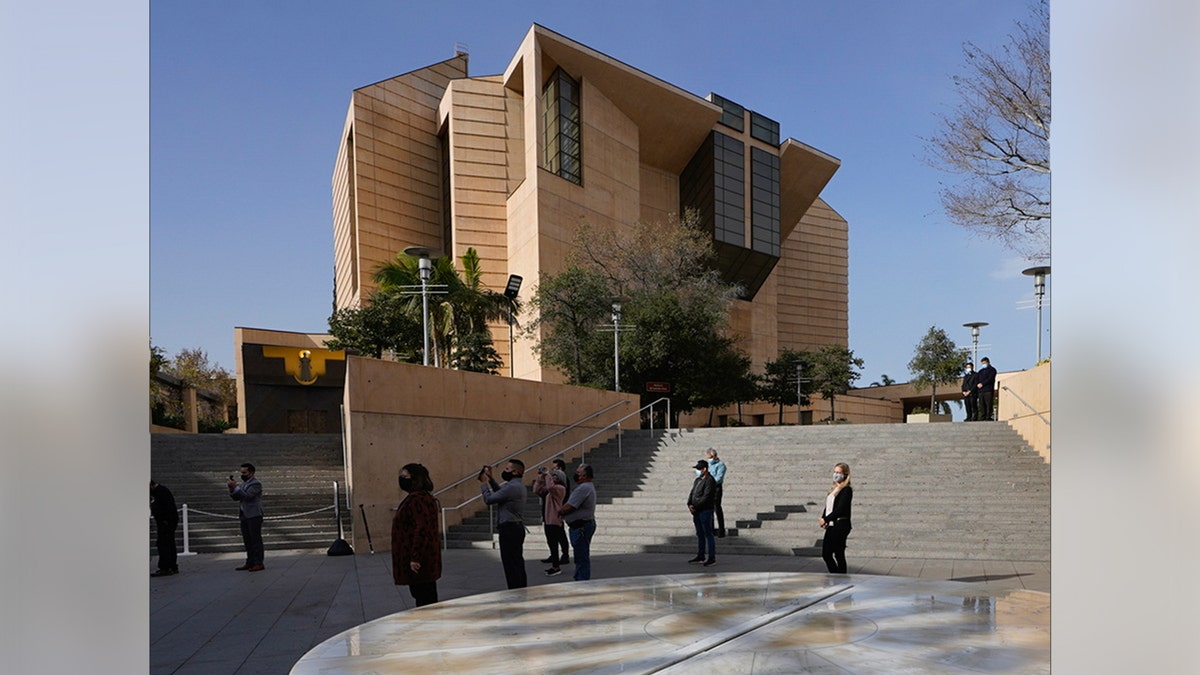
(1024, 403)
(582, 455)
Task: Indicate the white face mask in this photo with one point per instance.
(837, 477)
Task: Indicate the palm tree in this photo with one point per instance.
(464, 309)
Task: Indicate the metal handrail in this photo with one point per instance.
(582, 456)
(1031, 408)
(536, 443)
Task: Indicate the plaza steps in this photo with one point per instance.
(962, 491)
(297, 472)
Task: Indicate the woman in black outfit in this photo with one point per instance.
(835, 520)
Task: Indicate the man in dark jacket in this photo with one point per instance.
(701, 502)
(970, 394)
(985, 382)
(166, 519)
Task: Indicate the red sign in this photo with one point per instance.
(658, 387)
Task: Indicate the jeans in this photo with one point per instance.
(252, 539)
(581, 541)
(167, 553)
(719, 511)
(556, 537)
(703, 520)
(512, 544)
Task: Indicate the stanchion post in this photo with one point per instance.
(186, 546)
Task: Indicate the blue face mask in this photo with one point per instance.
(837, 477)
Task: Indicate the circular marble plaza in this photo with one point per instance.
(708, 623)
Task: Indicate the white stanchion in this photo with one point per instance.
(186, 550)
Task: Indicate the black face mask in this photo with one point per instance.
(406, 484)
(578, 478)
(507, 476)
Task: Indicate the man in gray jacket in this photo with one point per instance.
(509, 500)
(701, 502)
(250, 516)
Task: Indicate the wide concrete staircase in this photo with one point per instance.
(297, 472)
(949, 491)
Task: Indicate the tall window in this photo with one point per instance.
(562, 127)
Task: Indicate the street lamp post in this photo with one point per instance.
(616, 317)
(425, 268)
(1039, 275)
(510, 292)
(974, 326)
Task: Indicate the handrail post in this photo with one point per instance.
(492, 525)
(445, 536)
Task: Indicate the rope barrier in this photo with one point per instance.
(283, 517)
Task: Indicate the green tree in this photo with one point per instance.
(463, 310)
(192, 368)
(570, 307)
(778, 385)
(835, 368)
(475, 352)
(936, 360)
(674, 312)
(998, 141)
(383, 324)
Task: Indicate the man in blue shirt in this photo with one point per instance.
(717, 468)
(509, 500)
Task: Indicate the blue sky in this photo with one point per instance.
(247, 105)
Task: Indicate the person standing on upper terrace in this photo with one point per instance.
(985, 382)
(970, 393)
(509, 500)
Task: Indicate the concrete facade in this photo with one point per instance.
(440, 159)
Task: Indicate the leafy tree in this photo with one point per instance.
(834, 371)
(383, 324)
(674, 309)
(570, 306)
(192, 368)
(778, 385)
(936, 360)
(474, 352)
(998, 141)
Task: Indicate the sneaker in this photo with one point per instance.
(697, 559)
(547, 560)
(553, 572)
(710, 562)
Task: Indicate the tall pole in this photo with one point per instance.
(425, 270)
(616, 317)
(799, 394)
(1039, 275)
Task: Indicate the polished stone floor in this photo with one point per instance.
(754, 622)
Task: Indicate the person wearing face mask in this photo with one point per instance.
(416, 547)
(509, 500)
(250, 516)
(985, 382)
(970, 393)
(579, 513)
(835, 520)
(700, 503)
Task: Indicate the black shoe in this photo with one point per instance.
(565, 560)
(553, 572)
(720, 534)
(162, 573)
(697, 559)
(547, 560)
(710, 562)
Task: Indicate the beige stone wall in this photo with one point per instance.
(813, 281)
(1032, 386)
(856, 409)
(397, 175)
(452, 422)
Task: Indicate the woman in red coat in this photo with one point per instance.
(416, 546)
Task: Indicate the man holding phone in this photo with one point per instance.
(509, 500)
(250, 516)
